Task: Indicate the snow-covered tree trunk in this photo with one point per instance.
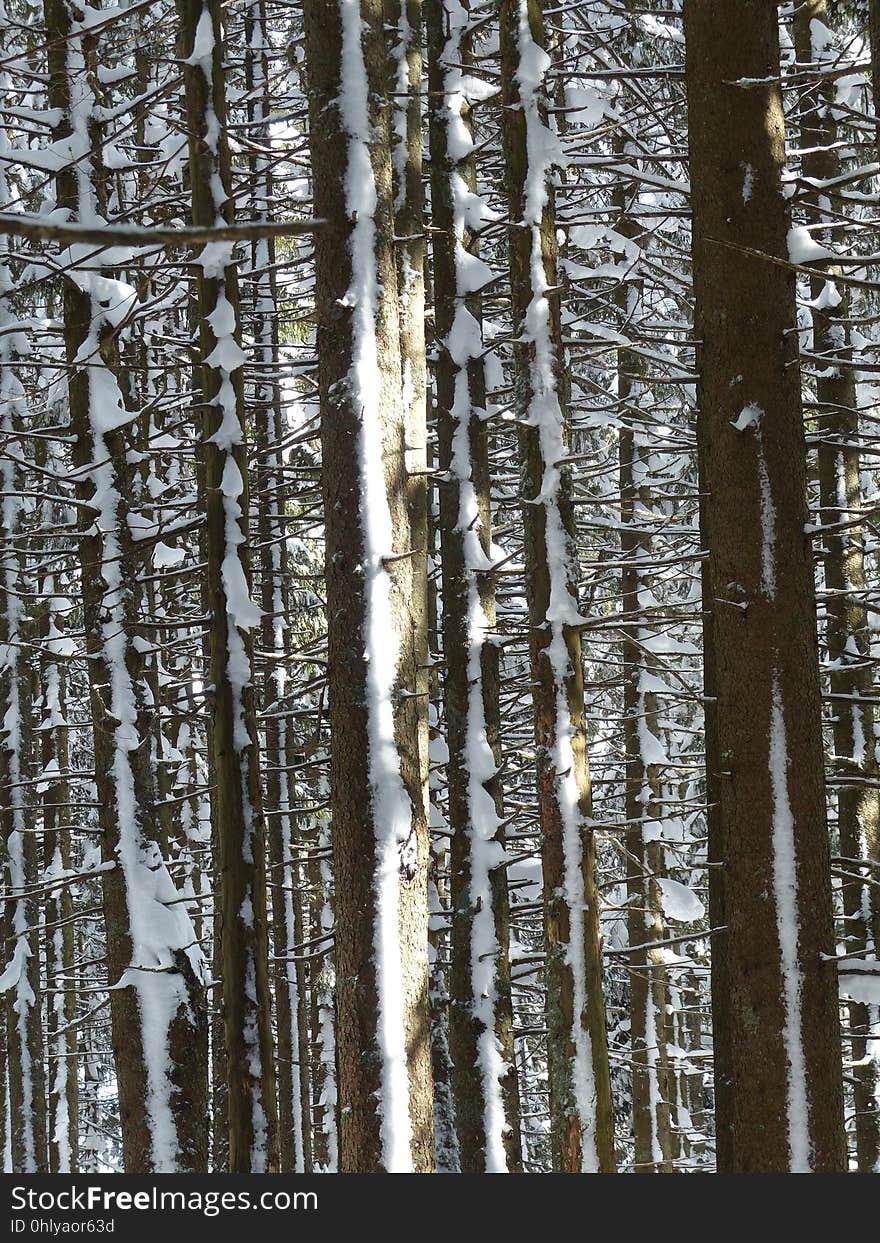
(156, 998)
(403, 20)
(580, 1091)
(481, 1020)
(874, 35)
(652, 1082)
(323, 980)
(54, 787)
(20, 993)
(653, 1085)
(377, 789)
(20, 977)
(250, 1076)
(847, 632)
(774, 987)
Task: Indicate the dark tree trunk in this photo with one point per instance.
(481, 1019)
(774, 992)
(244, 950)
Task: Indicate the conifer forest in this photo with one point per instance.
(439, 586)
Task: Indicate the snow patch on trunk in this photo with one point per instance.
(392, 809)
(786, 903)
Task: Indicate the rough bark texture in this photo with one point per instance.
(237, 807)
(404, 38)
(842, 551)
(764, 747)
(653, 1080)
(566, 1127)
(62, 1077)
(187, 1031)
(355, 831)
(459, 578)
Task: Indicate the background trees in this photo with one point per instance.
(439, 585)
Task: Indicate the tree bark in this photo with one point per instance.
(380, 837)
(847, 633)
(774, 992)
(481, 1017)
(61, 1034)
(580, 1090)
(158, 1019)
(285, 887)
(244, 948)
(653, 1082)
(21, 984)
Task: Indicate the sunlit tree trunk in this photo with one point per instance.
(481, 1019)
(156, 995)
(374, 575)
(580, 1091)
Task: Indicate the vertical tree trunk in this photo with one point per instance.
(323, 977)
(580, 1090)
(847, 633)
(774, 992)
(20, 981)
(156, 999)
(20, 952)
(291, 1013)
(481, 1018)
(250, 1079)
(61, 1006)
(379, 821)
(652, 1080)
(874, 34)
(653, 1083)
(404, 26)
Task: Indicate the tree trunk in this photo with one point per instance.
(61, 1005)
(20, 981)
(580, 1090)
(157, 1006)
(653, 1083)
(244, 949)
(774, 992)
(380, 838)
(404, 23)
(481, 1017)
(847, 634)
(291, 1002)
(874, 32)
